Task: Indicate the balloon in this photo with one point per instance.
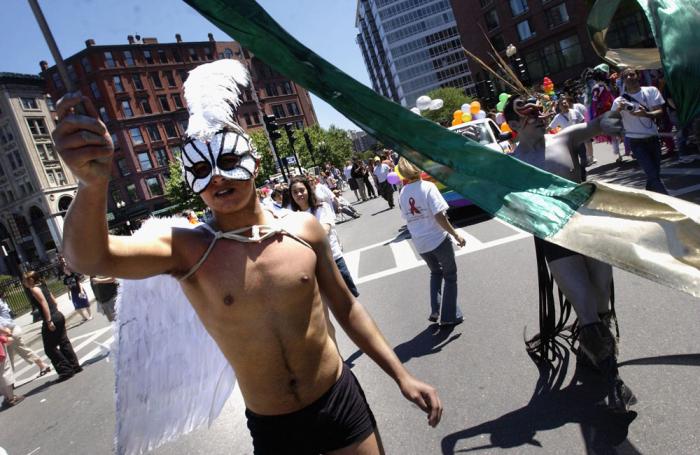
(466, 117)
(457, 114)
(465, 107)
(456, 121)
(436, 104)
(415, 110)
(392, 178)
(500, 118)
(505, 128)
(423, 102)
(502, 100)
(479, 115)
(474, 107)
(396, 170)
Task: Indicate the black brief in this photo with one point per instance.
(340, 418)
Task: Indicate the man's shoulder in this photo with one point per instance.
(303, 225)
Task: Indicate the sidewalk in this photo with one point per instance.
(32, 330)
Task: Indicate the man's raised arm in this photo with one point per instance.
(86, 147)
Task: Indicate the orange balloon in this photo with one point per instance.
(475, 107)
(505, 128)
(457, 121)
(457, 114)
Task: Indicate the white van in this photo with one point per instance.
(489, 134)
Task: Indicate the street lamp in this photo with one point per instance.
(511, 51)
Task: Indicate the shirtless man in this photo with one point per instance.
(263, 302)
(584, 281)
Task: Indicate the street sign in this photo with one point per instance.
(291, 160)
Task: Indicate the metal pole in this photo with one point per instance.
(44, 26)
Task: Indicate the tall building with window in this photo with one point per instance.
(35, 185)
(411, 47)
(549, 37)
(137, 90)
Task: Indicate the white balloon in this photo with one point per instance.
(415, 110)
(423, 102)
(436, 104)
(500, 118)
(479, 115)
(466, 107)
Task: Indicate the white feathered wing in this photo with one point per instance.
(170, 375)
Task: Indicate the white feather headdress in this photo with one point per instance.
(213, 93)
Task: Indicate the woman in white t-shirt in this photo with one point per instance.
(423, 208)
(565, 118)
(304, 200)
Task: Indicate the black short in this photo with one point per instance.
(340, 418)
(552, 251)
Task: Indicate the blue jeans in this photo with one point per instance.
(345, 273)
(647, 152)
(442, 265)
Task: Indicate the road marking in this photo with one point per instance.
(352, 260)
(403, 253)
(684, 190)
(680, 171)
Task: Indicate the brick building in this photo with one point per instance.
(137, 88)
(35, 185)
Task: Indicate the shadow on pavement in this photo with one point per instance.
(551, 407)
(676, 359)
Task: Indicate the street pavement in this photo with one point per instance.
(496, 400)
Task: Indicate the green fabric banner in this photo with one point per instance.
(522, 195)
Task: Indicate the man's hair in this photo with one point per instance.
(626, 70)
(408, 170)
(313, 203)
(32, 275)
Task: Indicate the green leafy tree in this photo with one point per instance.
(453, 99)
(177, 192)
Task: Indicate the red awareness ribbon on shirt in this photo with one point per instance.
(412, 204)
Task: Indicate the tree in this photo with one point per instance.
(176, 190)
(453, 99)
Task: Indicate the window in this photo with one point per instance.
(123, 167)
(128, 58)
(163, 100)
(571, 51)
(286, 87)
(156, 80)
(557, 15)
(271, 90)
(115, 141)
(154, 186)
(126, 109)
(162, 58)
(145, 161)
(29, 103)
(153, 132)
(491, 19)
(553, 57)
(145, 106)
(193, 54)
(72, 75)
(61, 177)
(182, 74)
(136, 137)
(37, 126)
(132, 193)
(246, 117)
(176, 150)
(109, 60)
(87, 67)
(118, 87)
(50, 104)
(177, 101)
(498, 42)
(278, 111)
(256, 118)
(169, 77)
(176, 56)
(147, 56)
(51, 177)
(207, 53)
(293, 109)
(525, 30)
(103, 114)
(95, 90)
(182, 124)
(57, 82)
(161, 157)
(46, 151)
(116, 197)
(136, 81)
(518, 7)
(228, 53)
(170, 130)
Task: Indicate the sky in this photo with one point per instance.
(325, 26)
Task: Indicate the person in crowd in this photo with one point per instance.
(352, 183)
(105, 289)
(57, 346)
(640, 106)
(7, 378)
(280, 200)
(358, 173)
(18, 346)
(384, 188)
(366, 177)
(344, 206)
(424, 209)
(304, 200)
(261, 286)
(566, 117)
(77, 293)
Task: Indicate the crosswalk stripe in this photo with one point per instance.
(352, 261)
(403, 253)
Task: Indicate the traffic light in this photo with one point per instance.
(272, 127)
(290, 134)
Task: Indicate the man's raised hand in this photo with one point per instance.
(83, 140)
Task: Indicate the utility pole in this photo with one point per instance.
(290, 136)
(273, 133)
